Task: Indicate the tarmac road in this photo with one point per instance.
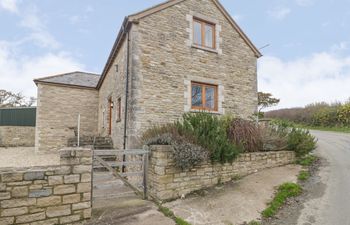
(332, 204)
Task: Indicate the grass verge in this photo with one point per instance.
(303, 175)
(334, 129)
(168, 213)
(254, 223)
(284, 192)
(307, 160)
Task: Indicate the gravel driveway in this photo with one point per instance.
(26, 157)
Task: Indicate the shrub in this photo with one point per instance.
(301, 141)
(211, 134)
(246, 134)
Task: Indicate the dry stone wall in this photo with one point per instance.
(48, 195)
(166, 182)
(13, 136)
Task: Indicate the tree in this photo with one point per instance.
(266, 100)
(10, 99)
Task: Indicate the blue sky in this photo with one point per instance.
(308, 58)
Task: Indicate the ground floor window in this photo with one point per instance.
(204, 96)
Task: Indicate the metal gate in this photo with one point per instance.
(136, 166)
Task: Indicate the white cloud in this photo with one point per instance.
(279, 13)
(320, 77)
(17, 71)
(39, 33)
(9, 5)
(304, 3)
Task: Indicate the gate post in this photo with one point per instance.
(145, 171)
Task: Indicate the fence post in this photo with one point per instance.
(78, 140)
(145, 172)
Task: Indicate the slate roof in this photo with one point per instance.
(80, 79)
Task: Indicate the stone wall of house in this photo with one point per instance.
(163, 63)
(114, 87)
(11, 136)
(168, 63)
(57, 115)
(48, 195)
(166, 182)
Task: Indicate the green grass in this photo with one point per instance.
(307, 160)
(334, 129)
(284, 192)
(180, 221)
(168, 213)
(303, 175)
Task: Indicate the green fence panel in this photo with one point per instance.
(18, 117)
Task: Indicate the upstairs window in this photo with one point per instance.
(203, 33)
(204, 96)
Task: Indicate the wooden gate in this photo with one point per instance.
(114, 167)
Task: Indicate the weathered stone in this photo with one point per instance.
(14, 211)
(55, 180)
(13, 136)
(12, 203)
(20, 192)
(53, 221)
(81, 205)
(30, 217)
(35, 186)
(19, 183)
(56, 211)
(84, 187)
(72, 179)
(11, 177)
(35, 175)
(7, 220)
(5, 195)
(2, 187)
(86, 196)
(64, 189)
(86, 177)
(87, 213)
(69, 219)
(82, 169)
(40, 193)
(63, 170)
(49, 201)
(68, 199)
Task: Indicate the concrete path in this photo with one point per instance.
(333, 207)
(115, 203)
(236, 202)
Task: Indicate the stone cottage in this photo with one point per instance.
(178, 56)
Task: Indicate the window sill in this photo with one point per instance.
(205, 111)
(205, 48)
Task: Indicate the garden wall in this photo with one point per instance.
(167, 182)
(48, 195)
(13, 136)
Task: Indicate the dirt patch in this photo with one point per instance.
(312, 188)
(26, 157)
(235, 202)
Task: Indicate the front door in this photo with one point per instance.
(110, 106)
